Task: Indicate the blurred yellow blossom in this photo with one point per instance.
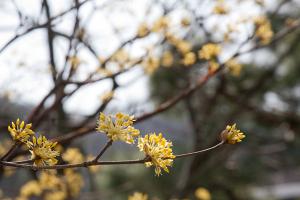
(185, 21)
(143, 30)
(167, 59)
(20, 131)
(55, 195)
(189, 59)
(121, 56)
(220, 8)
(202, 194)
(138, 196)
(104, 72)
(160, 24)
(170, 37)
(232, 135)
(48, 180)
(106, 96)
(158, 149)
(118, 127)
(213, 66)
(42, 151)
(209, 51)
(183, 46)
(31, 188)
(150, 64)
(74, 181)
(234, 67)
(9, 171)
(73, 155)
(263, 29)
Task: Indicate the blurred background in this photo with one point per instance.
(63, 62)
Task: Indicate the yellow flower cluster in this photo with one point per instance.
(73, 156)
(189, 59)
(121, 57)
(150, 64)
(182, 46)
(263, 29)
(118, 127)
(143, 30)
(220, 8)
(52, 186)
(74, 182)
(202, 194)
(209, 51)
(160, 24)
(232, 135)
(138, 196)
(20, 131)
(167, 59)
(42, 151)
(31, 188)
(159, 151)
(234, 67)
(185, 21)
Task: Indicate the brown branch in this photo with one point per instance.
(94, 162)
(107, 145)
(10, 151)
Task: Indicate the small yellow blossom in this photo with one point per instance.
(234, 67)
(167, 59)
(104, 72)
(55, 195)
(107, 96)
(185, 21)
(189, 59)
(73, 155)
(118, 127)
(20, 131)
(209, 51)
(138, 196)
(202, 194)
(263, 29)
(42, 151)
(232, 135)
(213, 66)
(31, 188)
(220, 8)
(171, 38)
(48, 180)
(160, 24)
(74, 181)
(9, 172)
(183, 46)
(121, 56)
(143, 30)
(158, 149)
(151, 64)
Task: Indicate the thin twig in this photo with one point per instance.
(95, 162)
(107, 145)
